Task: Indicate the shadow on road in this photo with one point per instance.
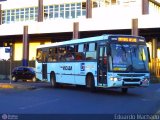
(101, 91)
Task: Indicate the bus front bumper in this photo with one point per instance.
(131, 83)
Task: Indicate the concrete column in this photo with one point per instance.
(154, 48)
(145, 7)
(25, 46)
(40, 10)
(88, 8)
(76, 30)
(135, 27)
(0, 14)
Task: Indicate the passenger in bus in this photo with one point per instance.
(39, 55)
(69, 57)
(54, 58)
(62, 57)
(79, 56)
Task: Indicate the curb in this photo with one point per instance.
(15, 86)
(6, 85)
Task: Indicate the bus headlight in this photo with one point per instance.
(113, 78)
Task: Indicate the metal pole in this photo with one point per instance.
(10, 64)
(145, 7)
(154, 48)
(40, 10)
(75, 30)
(88, 8)
(25, 46)
(135, 27)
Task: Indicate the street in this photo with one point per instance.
(78, 100)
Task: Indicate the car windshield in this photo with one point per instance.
(129, 57)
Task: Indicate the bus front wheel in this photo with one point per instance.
(53, 80)
(90, 82)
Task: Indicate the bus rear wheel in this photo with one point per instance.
(90, 82)
(53, 80)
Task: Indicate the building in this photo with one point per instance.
(46, 21)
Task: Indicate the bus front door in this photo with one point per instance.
(102, 66)
(44, 71)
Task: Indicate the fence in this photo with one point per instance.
(5, 67)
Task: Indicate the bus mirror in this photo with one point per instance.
(149, 59)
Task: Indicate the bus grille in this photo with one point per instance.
(131, 80)
(131, 75)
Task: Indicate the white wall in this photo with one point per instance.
(11, 4)
(105, 18)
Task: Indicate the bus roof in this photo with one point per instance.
(83, 40)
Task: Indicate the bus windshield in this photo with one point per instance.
(129, 57)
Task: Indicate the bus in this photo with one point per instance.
(106, 61)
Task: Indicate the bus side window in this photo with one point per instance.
(80, 47)
(79, 56)
(86, 48)
(91, 53)
(44, 56)
(70, 48)
(62, 53)
(39, 55)
(54, 54)
(50, 54)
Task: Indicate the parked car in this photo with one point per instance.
(23, 73)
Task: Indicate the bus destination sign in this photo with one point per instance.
(126, 39)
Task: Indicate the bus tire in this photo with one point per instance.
(90, 82)
(124, 90)
(53, 80)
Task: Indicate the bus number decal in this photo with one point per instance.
(66, 67)
(82, 66)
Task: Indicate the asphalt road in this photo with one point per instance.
(70, 100)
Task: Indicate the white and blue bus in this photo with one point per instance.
(103, 61)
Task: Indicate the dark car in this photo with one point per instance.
(23, 73)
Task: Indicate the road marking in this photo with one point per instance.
(38, 104)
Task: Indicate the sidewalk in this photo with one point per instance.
(6, 84)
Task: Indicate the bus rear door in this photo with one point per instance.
(102, 66)
(44, 63)
(44, 71)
